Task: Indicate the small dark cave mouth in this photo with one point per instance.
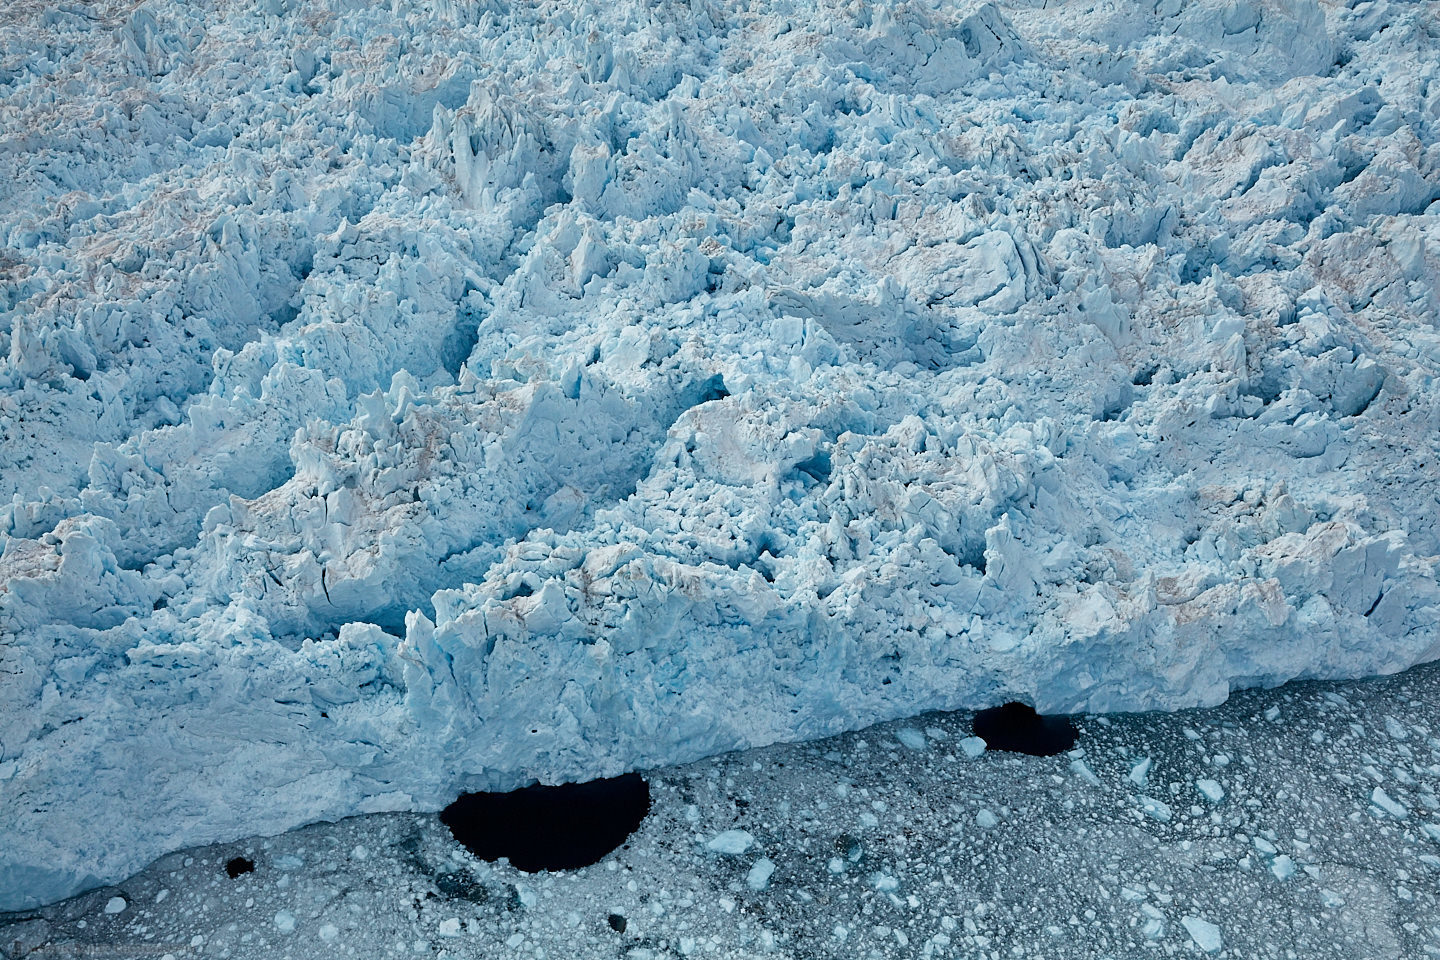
(550, 828)
(238, 865)
(1017, 728)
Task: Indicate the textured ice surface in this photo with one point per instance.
(407, 399)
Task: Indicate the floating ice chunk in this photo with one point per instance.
(759, 876)
(1082, 770)
(972, 747)
(284, 921)
(911, 738)
(1155, 809)
(1393, 807)
(986, 819)
(115, 905)
(328, 931)
(1210, 790)
(1205, 934)
(1153, 927)
(449, 927)
(1431, 830)
(884, 882)
(1140, 773)
(1283, 867)
(730, 842)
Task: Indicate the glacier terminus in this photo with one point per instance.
(409, 398)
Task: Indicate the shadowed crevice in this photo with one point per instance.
(550, 828)
(1017, 728)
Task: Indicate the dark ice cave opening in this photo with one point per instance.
(550, 828)
(235, 866)
(1017, 728)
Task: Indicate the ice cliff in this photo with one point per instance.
(406, 398)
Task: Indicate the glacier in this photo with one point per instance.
(420, 397)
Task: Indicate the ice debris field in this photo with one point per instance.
(410, 398)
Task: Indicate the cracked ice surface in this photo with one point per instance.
(395, 401)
